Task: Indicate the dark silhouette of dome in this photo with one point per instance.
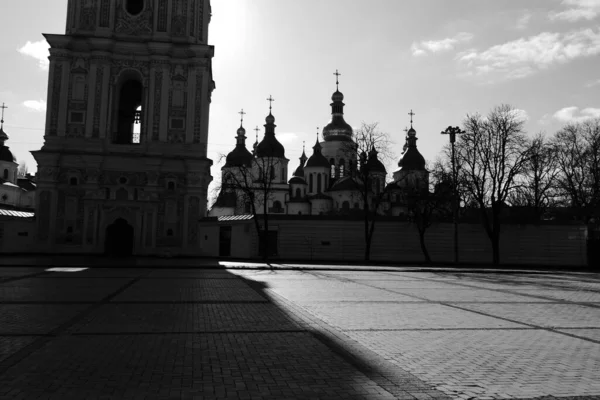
(240, 155)
(317, 159)
(5, 153)
(270, 146)
(374, 165)
(337, 129)
(412, 160)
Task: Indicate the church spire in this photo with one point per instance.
(337, 129)
(3, 135)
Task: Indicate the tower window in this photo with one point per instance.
(319, 183)
(5, 174)
(73, 181)
(134, 7)
(129, 113)
(171, 185)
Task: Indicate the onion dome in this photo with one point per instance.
(297, 180)
(240, 155)
(5, 153)
(337, 129)
(412, 160)
(270, 146)
(317, 159)
(374, 165)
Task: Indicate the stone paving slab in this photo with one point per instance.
(493, 363)
(593, 334)
(474, 295)
(190, 273)
(9, 345)
(544, 315)
(173, 318)
(217, 366)
(10, 272)
(27, 319)
(59, 289)
(188, 294)
(376, 316)
(311, 294)
(569, 295)
(100, 273)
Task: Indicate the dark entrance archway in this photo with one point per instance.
(119, 239)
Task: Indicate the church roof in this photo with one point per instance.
(337, 129)
(346, 183)
(317, 159)
(6, 154)
(270, 146)
(374, 165)
(412, 160)
(298, 180)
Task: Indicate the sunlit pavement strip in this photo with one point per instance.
(86, 333)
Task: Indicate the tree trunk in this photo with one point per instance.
(368, 236)
(424, 247)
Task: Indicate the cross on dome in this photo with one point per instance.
(337, 79)
(4, 107)
(412, 114)
(242, 113)
(270, 100)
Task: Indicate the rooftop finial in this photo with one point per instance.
(317, 133)
(412, 114)
(303, 146)
(3, 108)
(242, 113)
(270, 100)
(337, 80)
(257, 129)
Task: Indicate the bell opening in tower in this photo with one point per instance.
(134, 7)
(129, 120)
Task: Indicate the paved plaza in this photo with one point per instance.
(297, 333)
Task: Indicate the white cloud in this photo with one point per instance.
(37, 50)
(287, 137)
(577, 10)
(36, 105)
(523, 57)
(573, 115)
(523, 22)
(521, 115)
(437, 46)
(592, 83)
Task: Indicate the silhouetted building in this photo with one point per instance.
(124, 167)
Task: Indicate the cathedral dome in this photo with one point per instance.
(338, 130)
(270, 147)
(412, 160)
(376, 166)
(337, 96)
(6, 155)
(238, 157)
(317, 159)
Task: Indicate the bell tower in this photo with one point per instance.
(129, 94)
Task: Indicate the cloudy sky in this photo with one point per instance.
(443, 59)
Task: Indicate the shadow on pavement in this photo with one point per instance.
(166, 334)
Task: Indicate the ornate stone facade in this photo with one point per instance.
(126, 136)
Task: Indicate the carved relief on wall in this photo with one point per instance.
(128, 24)
(200, 34)
(162, 16)
(56, 84)
(98, 101)
(198, 105)
(158, 79)
(87, 18)
(105, 13)
(175, 137)
(179, 19)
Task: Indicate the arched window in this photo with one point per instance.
(332, 163)
(247, 207)
(171, 185)
(272, 172)
(170, 232)
(129, 113)
(319, 183)
(73, 181)
(298, 193)
(134, 7)
(277, 206)
(346, 206)
(342, 167)
(5, 174)
(310, 183)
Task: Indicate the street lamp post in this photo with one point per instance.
(452, 132)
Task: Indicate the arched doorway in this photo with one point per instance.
(119, 239)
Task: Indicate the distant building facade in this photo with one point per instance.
(326, 183)
(16, 192)
(123, 167)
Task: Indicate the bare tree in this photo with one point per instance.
(577, 150)
(251, 187)
(371, 146)
(536, 185)
(492, 154)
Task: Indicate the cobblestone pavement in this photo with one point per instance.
(140, 333)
